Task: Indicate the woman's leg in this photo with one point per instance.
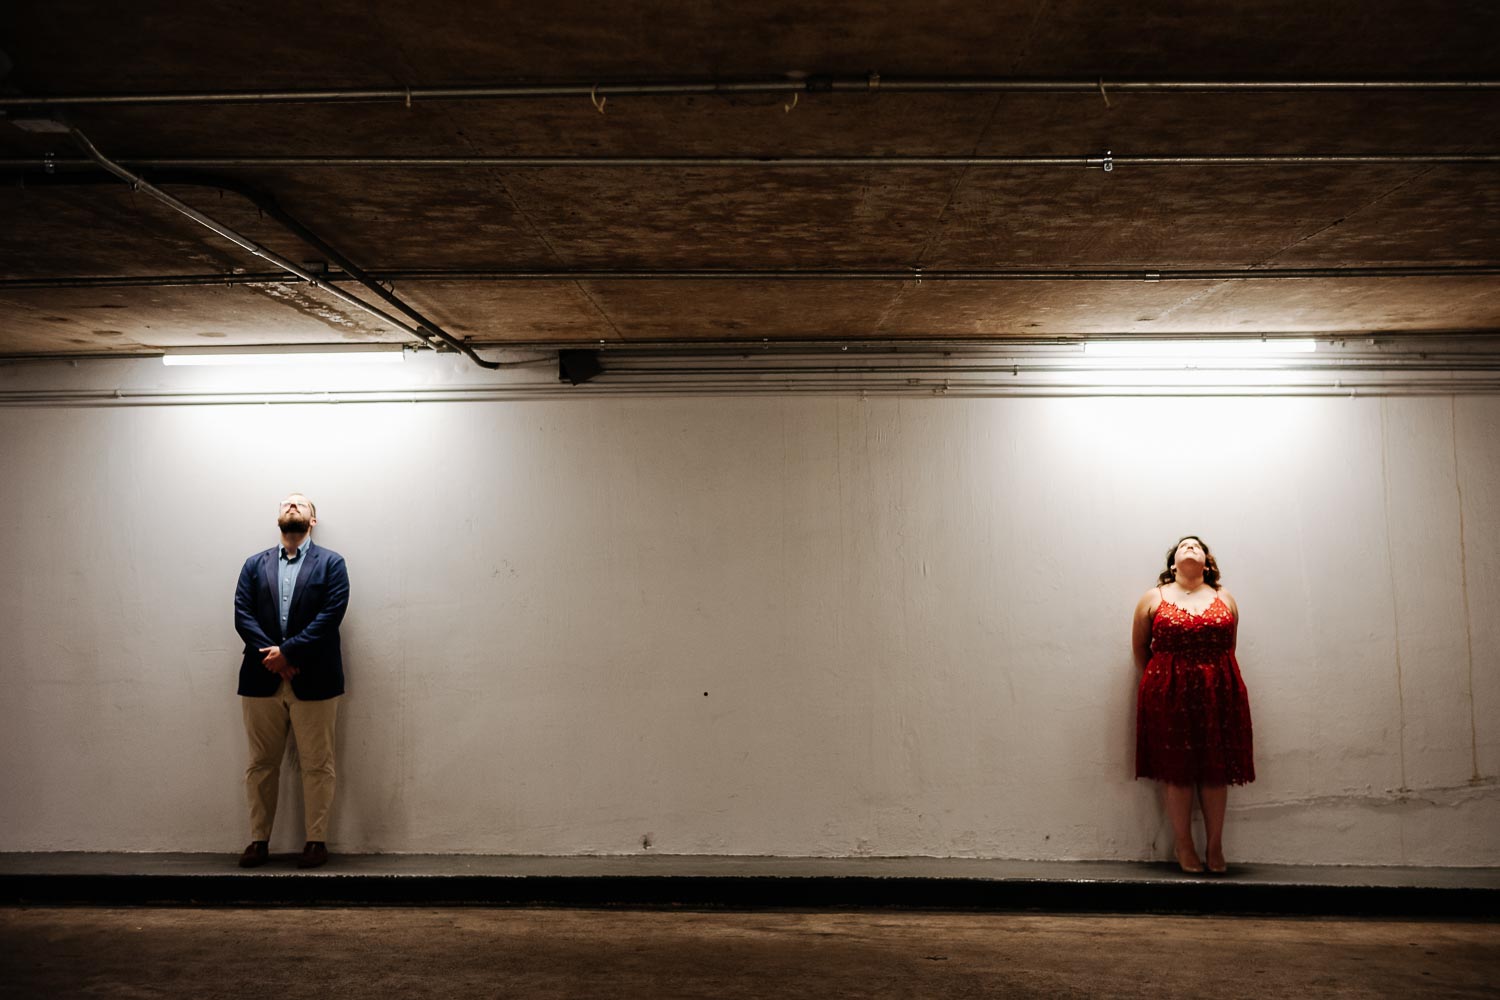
(1215, 799)
(1180, 811)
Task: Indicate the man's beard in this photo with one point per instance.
(292, 524)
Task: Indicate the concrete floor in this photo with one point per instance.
(545, 953)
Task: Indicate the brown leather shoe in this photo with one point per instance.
(314, 855)
(257, 854)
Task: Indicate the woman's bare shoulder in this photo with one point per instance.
(1228, 599)
(1149, 600)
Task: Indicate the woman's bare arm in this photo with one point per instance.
(1140, 630)
(1234, 609)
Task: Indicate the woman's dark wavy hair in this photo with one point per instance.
(1210, 568)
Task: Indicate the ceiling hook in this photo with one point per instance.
(597, 100)
(788, 107)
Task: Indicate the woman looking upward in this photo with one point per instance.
(1192, 711)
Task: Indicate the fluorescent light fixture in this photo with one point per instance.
(288, 356)
(1188, 350)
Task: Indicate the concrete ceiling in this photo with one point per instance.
(426, 231)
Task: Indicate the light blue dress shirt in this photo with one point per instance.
(290, 567)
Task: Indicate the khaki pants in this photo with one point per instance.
(266, 723)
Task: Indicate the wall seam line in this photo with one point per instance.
(1463, 581)
(1390, 560)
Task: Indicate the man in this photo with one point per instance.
(287, 608)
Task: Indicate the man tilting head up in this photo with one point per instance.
(287, 608)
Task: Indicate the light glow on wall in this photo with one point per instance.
(1190, 350)
(392, 354)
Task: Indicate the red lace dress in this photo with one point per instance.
(1192, 712)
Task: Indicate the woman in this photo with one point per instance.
(1192, 713)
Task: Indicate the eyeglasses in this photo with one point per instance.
(293, 503)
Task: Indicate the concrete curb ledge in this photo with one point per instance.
(757, 892)
(753, 883)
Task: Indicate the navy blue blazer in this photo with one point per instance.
(311, 645)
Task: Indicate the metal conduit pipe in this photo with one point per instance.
(1373, 344)
(619, 370)
(1005, 387)
(1432, 343)
(424, 331)
(138, 183)
(1107, 162)
(769, 275)
(1434, 349)
(1048, 360)
(802, 83)
(269, 205)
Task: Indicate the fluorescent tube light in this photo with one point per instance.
(383, 355)
(1195, 349)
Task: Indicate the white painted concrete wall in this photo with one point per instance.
(782, 626)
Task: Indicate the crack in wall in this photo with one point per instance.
(1439, 796)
